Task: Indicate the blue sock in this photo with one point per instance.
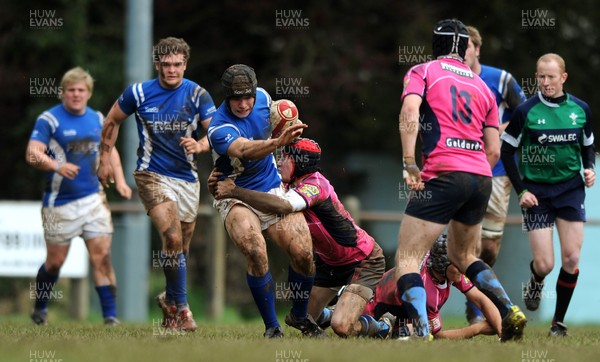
(372, 327)
(175, 274)
(414, 301)
(263, 293)
(44, 283)
(484, 278)
(108, 300)
(300, 286)
(324, 317)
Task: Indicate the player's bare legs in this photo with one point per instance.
(46, 278)
(319, 299)
(165, 218)
(291, 234)
(462, 245)
(187, 231)
(55, 257)
(243, 226)
(104, 276)
(99, 250)
(489, 250)
(345, 320)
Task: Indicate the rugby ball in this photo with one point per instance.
(283, 114)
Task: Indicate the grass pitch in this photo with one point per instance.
(63, 341)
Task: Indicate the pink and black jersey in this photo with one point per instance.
(386, 297)
(337, 239)
(456, 106)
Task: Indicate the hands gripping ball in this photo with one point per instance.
(284, 114)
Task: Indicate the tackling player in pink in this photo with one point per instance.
(349, 243)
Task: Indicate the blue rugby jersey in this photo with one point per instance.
(508, 95)
(225, 127)
(163, 116)
(70, 138)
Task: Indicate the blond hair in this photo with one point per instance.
(475, 36)
(548, 57)
(76, 75)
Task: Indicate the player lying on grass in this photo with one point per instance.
(344, 253)
(437, 273)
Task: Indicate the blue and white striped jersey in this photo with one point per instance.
(163, 116)
(70, 138)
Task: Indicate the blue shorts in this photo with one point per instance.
(565, 200)
(459, 196)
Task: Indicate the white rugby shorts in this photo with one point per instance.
(88, 217)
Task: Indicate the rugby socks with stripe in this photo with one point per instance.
(565, 285)
(485, 280)
(300, 287)
(263, 293)
(414, 301)
(108, 300)
(175, 270)
(44, 283)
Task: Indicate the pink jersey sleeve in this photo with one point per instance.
(414, 81)
(464, 285)
(312, 190)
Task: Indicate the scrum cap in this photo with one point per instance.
(306, 155)
(239, 80)
(438, 255)
(450, 36)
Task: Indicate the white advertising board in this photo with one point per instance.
(22, 245)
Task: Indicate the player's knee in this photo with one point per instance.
(342, 327)
(101, 260)
(302, 262)
(172, 239)
(53, 267)
(543, 267)
(488, 255)
(255, 252)
(570, 261)
(54, 263)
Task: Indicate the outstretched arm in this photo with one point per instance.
(489, 310)
(246, 149)
(492, 324)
